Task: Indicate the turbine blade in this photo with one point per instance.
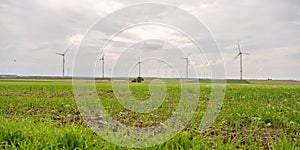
(135, 65)
(140, 61)
(239, 47)
(246, 53)
(236, 56)
(188, 55)
(66, 51)
(60, 54)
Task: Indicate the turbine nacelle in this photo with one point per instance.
(102, 58)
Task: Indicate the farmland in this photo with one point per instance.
(42, 114)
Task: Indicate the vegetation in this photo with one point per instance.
(42, 114)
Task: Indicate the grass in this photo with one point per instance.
(42, 114)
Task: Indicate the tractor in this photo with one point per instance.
(138, 80)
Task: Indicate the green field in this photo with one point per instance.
(42, 114)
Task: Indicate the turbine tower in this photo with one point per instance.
(64, 60)
(187, 64)
(241, 60)
(102, 59)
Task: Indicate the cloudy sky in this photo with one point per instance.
(32, 31)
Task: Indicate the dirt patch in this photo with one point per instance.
(71, 119)
(287, 81)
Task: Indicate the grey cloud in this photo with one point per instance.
(37, 29)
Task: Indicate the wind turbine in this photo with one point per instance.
(139, 79)
(187, 64)
(140, 66)
(64, 60)
(241, 60)
(102, 59)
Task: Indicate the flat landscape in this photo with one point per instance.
(42, 114)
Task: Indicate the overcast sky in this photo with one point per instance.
(32, 31)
